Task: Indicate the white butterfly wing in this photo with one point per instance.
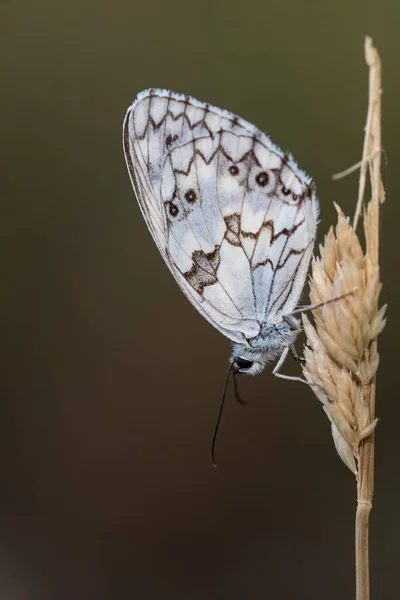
(233, 217)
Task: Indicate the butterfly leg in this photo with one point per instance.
(293, 352)
(279, 364)
(294, 326)
(292, 322)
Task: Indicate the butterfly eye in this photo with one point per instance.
(243, 363)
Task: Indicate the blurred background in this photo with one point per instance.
(110, 379)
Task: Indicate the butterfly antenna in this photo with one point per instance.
(312, 307)
(221, 407)
(238, 397)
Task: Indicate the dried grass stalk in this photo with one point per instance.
(341, 357)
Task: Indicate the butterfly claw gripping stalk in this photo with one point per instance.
(341, 357)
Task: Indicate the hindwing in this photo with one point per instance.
(233, 216)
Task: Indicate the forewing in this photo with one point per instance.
(233, 217)
(282, 241)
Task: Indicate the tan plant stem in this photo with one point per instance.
(372, 148)
(341, 354)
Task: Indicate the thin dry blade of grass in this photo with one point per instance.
(341, 357)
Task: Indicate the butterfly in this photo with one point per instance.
(232, 215)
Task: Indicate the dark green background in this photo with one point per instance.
(110, 379)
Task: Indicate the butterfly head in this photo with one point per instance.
(247, 361)
(251, 358)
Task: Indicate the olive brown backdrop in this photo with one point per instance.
(110, 379)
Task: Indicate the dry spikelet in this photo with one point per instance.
(339, 364)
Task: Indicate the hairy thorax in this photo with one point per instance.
(264, 348)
